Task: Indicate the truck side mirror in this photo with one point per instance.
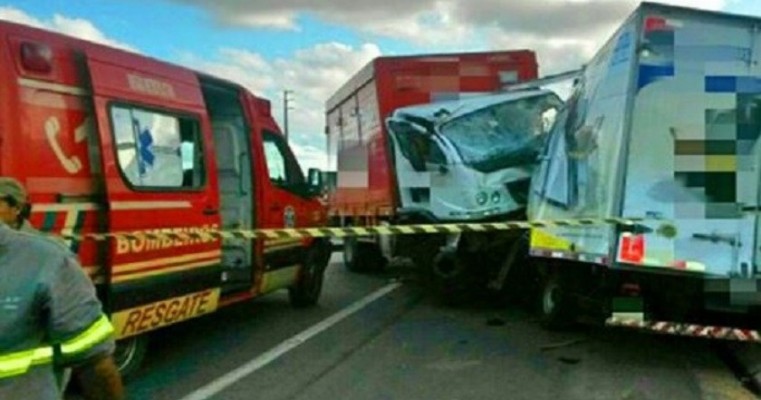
(314, 179)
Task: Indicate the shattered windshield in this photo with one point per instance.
(503, 135)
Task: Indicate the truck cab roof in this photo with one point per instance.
(464, 106)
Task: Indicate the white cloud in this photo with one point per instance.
(553, 55)
(564, 33)
(572, 34)
(441, 22)
(704, 4)
(274, 20)
(313, 74)
(15, 15)
(358, 11)
(85, 29)
(77, 27)
(433, 26)
(310, 156)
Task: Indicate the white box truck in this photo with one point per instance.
(663, 124)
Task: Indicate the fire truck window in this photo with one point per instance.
(283, 169)
(157, 150)
(275, 162)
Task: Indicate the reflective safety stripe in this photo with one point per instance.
(99, 331)
(18, 363)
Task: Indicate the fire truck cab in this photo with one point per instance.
(107, 140)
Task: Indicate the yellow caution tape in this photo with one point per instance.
(351, 231)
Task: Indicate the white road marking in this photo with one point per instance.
(259, 362)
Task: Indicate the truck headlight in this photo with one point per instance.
(496, 197)
(482, 198)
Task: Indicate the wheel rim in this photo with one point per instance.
(315, 281)
(548, 298)
(446, 266)
(348, 251)
(312, 277)
(125, 352)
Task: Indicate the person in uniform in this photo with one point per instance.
(14, 205)
(50, 316)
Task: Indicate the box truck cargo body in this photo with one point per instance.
(664, 125)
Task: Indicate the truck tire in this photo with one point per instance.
(129, 355)
(557, 308)
(362, 256)
(450, 278)
(307, 290)
(424, 259)
(350, 253)
(519, 284)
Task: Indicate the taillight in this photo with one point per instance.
(36, 57)
(632, 248)
(630, 289)
(655, 24)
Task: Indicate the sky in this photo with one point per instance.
(311, 47)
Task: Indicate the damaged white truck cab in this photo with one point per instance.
(469, 159)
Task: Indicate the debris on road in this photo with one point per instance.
(569, 360)
(558, 345)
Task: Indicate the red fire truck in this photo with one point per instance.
(110, 141)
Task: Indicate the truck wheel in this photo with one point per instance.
(129, 355)
(362, 256)
(307, 290)
(424, 259)
(350, 254)
(557, 307)
(450, 278)
(515, 280)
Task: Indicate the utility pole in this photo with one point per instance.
(286, 107)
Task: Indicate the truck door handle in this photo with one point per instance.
(210, 211)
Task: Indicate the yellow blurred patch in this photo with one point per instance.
(279, 279)
(544, 240)
(721, 163)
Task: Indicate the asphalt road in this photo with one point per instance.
(403, 345)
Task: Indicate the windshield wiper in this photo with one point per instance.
(447, 115)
